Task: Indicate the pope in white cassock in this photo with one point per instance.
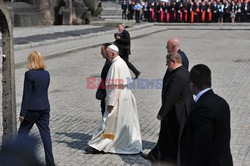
(119, 131)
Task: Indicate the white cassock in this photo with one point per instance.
(119, 131)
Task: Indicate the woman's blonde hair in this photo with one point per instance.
(36, 61)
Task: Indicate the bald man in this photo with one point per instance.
(173, 46)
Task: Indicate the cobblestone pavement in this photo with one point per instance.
(76, 113)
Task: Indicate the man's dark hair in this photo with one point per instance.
(200, 75)
(106, 45)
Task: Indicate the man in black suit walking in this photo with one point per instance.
(122, 41)
(101, 91)
(206, 137)
(176, 105)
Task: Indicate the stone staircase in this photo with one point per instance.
(24, 14)
(109, 10)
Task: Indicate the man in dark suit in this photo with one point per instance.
(206, 137)
(130, 10)
(122, 41)
(245, 8)
(176, 105)
(101, 91)
(124, 7)
(35, 108)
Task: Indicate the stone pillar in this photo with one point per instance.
(68, 4)
(8, 76)
(67, 17)
(67, 13)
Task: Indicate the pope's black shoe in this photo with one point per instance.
(91, 150)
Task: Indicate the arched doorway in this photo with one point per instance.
(8, 76)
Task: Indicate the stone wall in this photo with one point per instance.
(64, 11)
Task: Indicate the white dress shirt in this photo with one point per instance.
(200, 94)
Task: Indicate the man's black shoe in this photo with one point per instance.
(137, 75)
(145, 156)
(91, 150)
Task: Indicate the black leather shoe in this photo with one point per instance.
(145, 156)
(91, 150)
(137, 75)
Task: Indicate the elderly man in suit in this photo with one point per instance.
(173, 46)
(206, 137)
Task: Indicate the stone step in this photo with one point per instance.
(107, 11)
(111, 14)
(111, 17)
(108, 4)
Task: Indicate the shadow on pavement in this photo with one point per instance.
(79, 140)
(136, 158)
(148, 144)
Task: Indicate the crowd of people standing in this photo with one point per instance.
(190, 11)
